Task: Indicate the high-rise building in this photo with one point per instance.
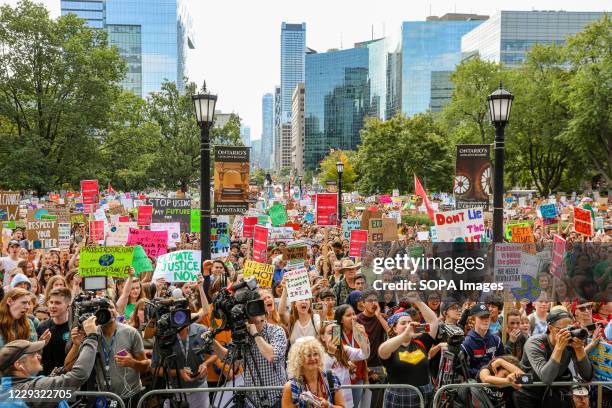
(441, 90)
(432, 45)
(245, 134)
(293, 49)
(152, 36)
(256, 154)
(267, 129)
(276, 154)
(297, 129)
(285, 146)
(337, 100)
(508, 35)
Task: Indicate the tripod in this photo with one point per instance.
(453, 370)
(168, 362)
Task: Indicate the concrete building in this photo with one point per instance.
(297, 129)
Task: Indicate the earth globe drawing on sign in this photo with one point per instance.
(106, 260)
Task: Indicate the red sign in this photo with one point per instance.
(359, 240)
(124, 218)
(558, 253)
(247, 226)
(145, 214)
(54, 197)
(260, 244)
(89, 189)
(96, 230)
(327, 209)
(583, 224)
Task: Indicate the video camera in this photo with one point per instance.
(86, 305)
(450, 334)
(170, 317)
(235, 305)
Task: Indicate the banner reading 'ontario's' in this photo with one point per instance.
(472, 176)
(231, 180)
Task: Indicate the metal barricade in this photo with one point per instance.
(438, 395)
(101, 394)
(274, 388)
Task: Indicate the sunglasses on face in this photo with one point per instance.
(585, 308)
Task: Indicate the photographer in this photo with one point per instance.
(20, 363)
(266, 360)
(547, 357)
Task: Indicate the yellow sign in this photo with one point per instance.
(262, 272)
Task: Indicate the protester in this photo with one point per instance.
(57, 327)
(14, 322)
(480, 346)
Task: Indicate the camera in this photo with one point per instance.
(450, 334)
(578, 332)
(235, 305)
(524, 379)
(421, 328)
(86, 305)
(170, 317)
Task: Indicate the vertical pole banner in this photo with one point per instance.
(231, 180)
(260, 244)
(473, 176)
(327, 208)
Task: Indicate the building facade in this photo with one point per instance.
(245, 135)
(441, 90)
(151, 35)
(276, 154)
(297, 129)
(267, 130)
(293, 49)
(508, 35)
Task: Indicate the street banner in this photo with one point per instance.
(260, 244)
(105, 261)
(145, 215)
(90, 194)
(557, 266)
(247, 226)
(179, 266)
(349, 225)
(327, 209)
(174, 231)
(507, 265)
(298, 285)
(9, 205)
(42, 234)
(358, 243)
(263, 273)
(219, 236)
(583, 223)
(171, 210)
(460, 226)
(231, 180)
(141, 262)
(117, 234)
(472, 176)
(278, 215)
(63, 234)
(155, 243)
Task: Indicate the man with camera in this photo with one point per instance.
(547, 357)
(20, 362)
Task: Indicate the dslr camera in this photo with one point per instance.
(578, 332)
(86, 305)
(170, 317)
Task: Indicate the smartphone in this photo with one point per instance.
(336, 333)
(421, 328)
(122, 353)
(524, 379)
(317, 307)
(591, 327)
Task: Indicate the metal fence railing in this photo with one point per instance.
(101, 394)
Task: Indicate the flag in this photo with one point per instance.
(109, 189)
(418, 188)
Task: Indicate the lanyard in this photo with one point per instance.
(185, 343)
(107, 352)
(347, 341)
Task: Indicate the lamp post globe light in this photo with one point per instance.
(340, 170)
(500, 104)
(204, 104)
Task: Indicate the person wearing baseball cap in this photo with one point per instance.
(8, 263)
(580, 396)
(480, 346)
(547, 357)
(20, 362)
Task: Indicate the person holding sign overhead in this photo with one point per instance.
(132, 293)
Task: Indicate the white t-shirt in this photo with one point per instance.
(309, 329)
(7, 264)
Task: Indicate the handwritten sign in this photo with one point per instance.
(118, 233)
(42, 234)
(358, 243)
(219, 236)
(548, 210)
(260, 244)
(155, 243)
(9, 205)
(583, 224)
(63, 234)
(465, 225)
(174, 231)
(298, 285)
(179, 266)
(507, 269)
(349, 225)
(263, 273)
(558, 253)
(105, 261)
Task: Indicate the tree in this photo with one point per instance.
(392, 151)
(328, 170)
(228, 134)
(589, 131)
(58, 79)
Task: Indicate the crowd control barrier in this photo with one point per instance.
(438, 395)
(101, 394)
(272, 388)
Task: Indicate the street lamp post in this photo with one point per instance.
(204, 104)
(340, 169)
(500, 104)
(300, 180)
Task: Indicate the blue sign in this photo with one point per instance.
(548, 210)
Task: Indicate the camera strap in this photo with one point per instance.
(184, 345)
(108, 351)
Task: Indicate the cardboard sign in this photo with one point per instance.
(63, 235)
(508, 228)
(507, 265)
(298, 285)
(248, 223)
(375, 230)
(219, 236)
(174, 231)
(105, 261)
(557, 266)
(263, 273)
(96, 230)
(583, 223)
(278, 215)
(141, 262)
(167, 210)
(349, 225)
(389, 229)
(260, 244)
(327, 209)
(179, 266)
(155, 243)
(460, 226)
(358, 243)
(295, 254)
(42, 234)
(522, 234)
(145, 215)
(117, 234)
(9, 205)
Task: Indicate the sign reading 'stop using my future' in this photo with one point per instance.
(171, 210)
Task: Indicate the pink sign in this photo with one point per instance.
(260, 244)
(358, 243)
(155, 243)
(558, 253)
(327, 209)
(384, 199)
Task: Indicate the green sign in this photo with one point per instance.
(195, 220)
(140, 261)
(262, 220)
(77, 218)
(105, 261)
(48, 217)
(278, 215)
(508, 228)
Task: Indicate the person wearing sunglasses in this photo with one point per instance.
(583, 311)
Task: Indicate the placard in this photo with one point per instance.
(96, 230)
(583, 223)
(219, 236)
(247, 226)
(298, 285)
(263, 273)
(105, 261)
(460, 226)
(145, 215)
(507, 269)
(90, 194)
(260, 244)
(358, 243)
(349, 225)
(327, 209)
(473, 176)
(557, 266)
(548, 210)
(141, 262)
(155, 243)
(389, 229)
(174, 231)
(194, 221)
(171, 210)
(118, 233)
(63, 234)
(179, 266)
(9, 205)
(375, 230)
(42, 234)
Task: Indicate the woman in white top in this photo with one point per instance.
(301, 321)
(339, 358)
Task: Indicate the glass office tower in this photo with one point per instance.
(151, 35)
(293, 49)
(267, 132)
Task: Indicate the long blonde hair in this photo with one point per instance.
(294, 316)
(12, 329)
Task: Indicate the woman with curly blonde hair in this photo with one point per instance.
(308, 383)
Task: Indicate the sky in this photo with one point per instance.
(238, 41)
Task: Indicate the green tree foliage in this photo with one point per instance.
(57, 83)
(392, 151)
(228, 134)
(330, 172)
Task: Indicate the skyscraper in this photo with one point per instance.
(508, 35)
(293, 49)
(297, 129)
(245, 134)
(151, 35)
(276, 154)
(267, 126)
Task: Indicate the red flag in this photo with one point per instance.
(109, 189)
(418, 188)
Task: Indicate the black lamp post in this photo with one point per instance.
(340, 169)
(300, 180)
(500, 104)
(204, 104)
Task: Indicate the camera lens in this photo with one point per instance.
(103, 316)
(179, 318)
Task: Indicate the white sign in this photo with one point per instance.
(507, 269)
(298, 285)
(422, 235)
(530, 264)
(117, 234)
(63, 229)
(465, 225)
(179, 266)
(174, 231)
